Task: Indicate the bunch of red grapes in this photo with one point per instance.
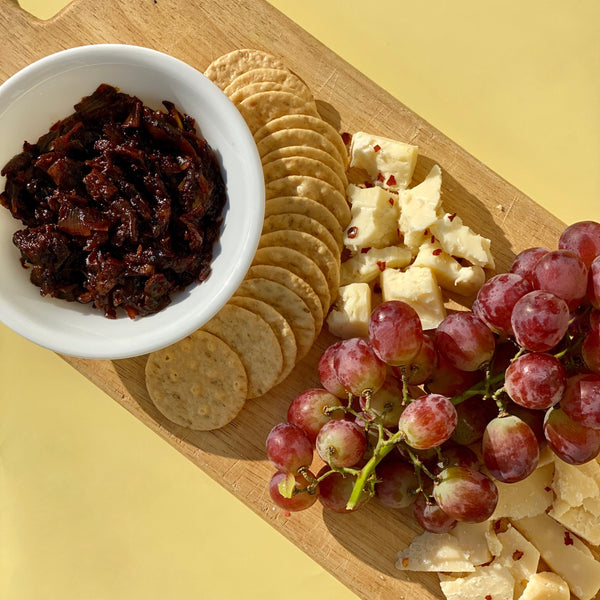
(430, 419)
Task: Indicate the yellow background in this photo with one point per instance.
(93, 505)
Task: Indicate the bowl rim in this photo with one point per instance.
(140, 340)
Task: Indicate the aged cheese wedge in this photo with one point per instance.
(564, 553)
(492, 581)
(577, 485)
(419, 206)
(473, 537)
(546, 585)
(367, 265)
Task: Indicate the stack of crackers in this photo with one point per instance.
(273, 319)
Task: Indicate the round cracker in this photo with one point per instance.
(313, 153)
(310, 246)
(253, 340)
(299, 264)
(236, 96)
(299, 205)
(281, 328)
(262, 107)
(299, 121)
(291, 306)
(296, 284)
(290, 81)
(188, 385)
(315, 189)
(301, 223)
(226, 68)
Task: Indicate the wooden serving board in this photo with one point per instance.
(359, 549)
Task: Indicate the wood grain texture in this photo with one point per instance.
(359, 549)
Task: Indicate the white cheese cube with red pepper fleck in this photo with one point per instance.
(389, 163)
(546, 585)
(366, 265)
(450, 274)
(418, 287)
(349, 316)
(461, 241)
(419, 206)
(374, 218)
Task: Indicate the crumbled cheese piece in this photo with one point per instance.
(450, 274)
(435, 552)
(578, 485)
(473, 537)
(417, 287)
(374, 218)
(519, 556)
(546, 585)
(365, 266)
(388, 162)
(491, 581)
(461, 241)
(419, 205)
(349, 316)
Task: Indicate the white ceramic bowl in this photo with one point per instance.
(45, 92)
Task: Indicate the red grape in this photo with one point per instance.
(357, 366)
(289, 448)
(307, 410)
(510, 449)
(535, 380)
(465, 341)
(593, 288)
(540, 320)
(428, 421)
(395, 332)
(396, 484)
(327, 375)
(525, 262)
(386, 402)
(335, 491)
(473, 414)
(465, 494)
(300, 499)
(590, 351)
(341, 443)
(564, 274)
(534, 418)
(582, 238)
(496, 299)
(581, 400)
(431, 517)
(570, 441)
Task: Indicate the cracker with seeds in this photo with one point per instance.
(188, 385)
(299, 264)
(253, 340)
(301, 223)
(291, 306)
(298, 205)
(294, 283)
(224, 69)
(262, 107)
(310, 246)
(301, 121)
(281, 328)
(315, 189)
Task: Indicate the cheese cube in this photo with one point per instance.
(493, 581)
(417, 287)
(374, 220)
(527, 498)
(546, 585)
(435, 552)
(349, 316)
(564, 553)
(450, 274)
(366, 266)
(460, 241)
(519, 556)
(419, 205)
(388, 162)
